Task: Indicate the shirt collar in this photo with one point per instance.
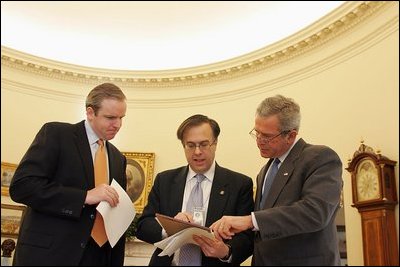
(92, 136)
(209, 174)
(283, 157)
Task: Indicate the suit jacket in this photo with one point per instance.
(166, 197)
(52, 179)
(297, 223)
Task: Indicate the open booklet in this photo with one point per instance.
(173, 226)
(179, 233)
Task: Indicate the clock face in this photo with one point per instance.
(367, 181)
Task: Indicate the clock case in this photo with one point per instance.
(378, 220)
(386, 179)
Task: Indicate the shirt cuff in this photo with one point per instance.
(254, 221)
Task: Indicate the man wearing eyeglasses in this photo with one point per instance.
(223, 192)
(297, 197)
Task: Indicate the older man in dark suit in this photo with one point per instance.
(298, 193)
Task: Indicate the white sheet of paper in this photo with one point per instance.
(172, 243)
(117, 219)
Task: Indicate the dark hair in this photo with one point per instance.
(197, 120)
(101, 92)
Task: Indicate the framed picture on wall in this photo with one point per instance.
(7, 172)
(11, 216)
(139, 173)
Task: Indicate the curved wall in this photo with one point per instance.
(342, 70)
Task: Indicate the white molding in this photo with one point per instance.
(345, 39)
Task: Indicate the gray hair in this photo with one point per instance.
(286, 109)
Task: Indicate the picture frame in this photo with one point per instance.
(139, 173)
(11, 217)
(140, 165)
(7, 172)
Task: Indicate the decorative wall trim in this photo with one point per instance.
(41, 92)
(160, 97)
(345, 18)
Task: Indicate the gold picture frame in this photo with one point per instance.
(7, 172)
(139, 165)
(139, 173)
(11, 216)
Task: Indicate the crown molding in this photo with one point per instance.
(321, 32)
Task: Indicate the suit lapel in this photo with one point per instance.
(260, 182)
(177, 189)
(83, 146)
(218, 196)
(280, 180)
(284, 173)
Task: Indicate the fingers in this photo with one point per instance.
(109, 194)
(222, 229)
(219, 224)
(211, 247)
(112, 195)
(224, 232)
(203, 240)
(206, 244)
(100, 193)
(184, 216)
(215, 227)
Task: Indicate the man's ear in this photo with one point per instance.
(292, 135)
(90, 112)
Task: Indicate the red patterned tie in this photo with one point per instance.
(100, 176)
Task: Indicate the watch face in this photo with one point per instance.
(367, 181)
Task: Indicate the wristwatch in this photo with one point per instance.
(229, 253)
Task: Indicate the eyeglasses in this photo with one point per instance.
(203, 146)
(265, 139)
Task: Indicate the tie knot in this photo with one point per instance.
(276, 161)
(100, 142)
(200, 177)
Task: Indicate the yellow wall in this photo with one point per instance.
(347, 89)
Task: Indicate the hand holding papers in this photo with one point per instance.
(117, 219)
(180, 233)
(173, 226)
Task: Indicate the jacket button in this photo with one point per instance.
(92, 216)
(83, 245)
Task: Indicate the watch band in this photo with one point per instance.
(229, 253)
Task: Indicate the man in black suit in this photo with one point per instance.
(55, 180)
(225, 192)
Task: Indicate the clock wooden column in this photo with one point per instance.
(375, 197)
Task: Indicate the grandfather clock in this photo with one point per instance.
(374, 195)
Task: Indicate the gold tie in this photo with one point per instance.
(100, 177)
